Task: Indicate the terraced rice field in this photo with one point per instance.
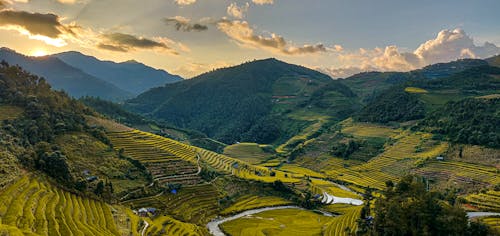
(8, 112)
(493, 222)
(367, 130)
(345, 224)
(193, 204)
(249, 152)
(168, 161)
(279, 222)
(244, 169)
(252, 202)
(462, 172)
(166, 225)
(35, 207)
(319, 186)
(297, 170)
(489, 201)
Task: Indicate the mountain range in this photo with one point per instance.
(80, 75)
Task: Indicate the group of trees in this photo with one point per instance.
(470, 121)
(407, 208)
(47, 114)
(395, 105)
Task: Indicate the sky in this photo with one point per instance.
(189, 37)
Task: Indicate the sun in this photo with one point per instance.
(39, 53)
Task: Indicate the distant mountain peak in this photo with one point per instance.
(132, 76)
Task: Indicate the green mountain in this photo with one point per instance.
(258, 101)
(370, 84)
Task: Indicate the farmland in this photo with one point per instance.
(32, 206)
(279, 222)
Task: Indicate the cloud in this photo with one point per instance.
(120, 42)
(448, 45)
(262, 2)
(45, 27)
(236, 11)
(452, 44)
(184, 2)
(344, 72)
(245, 36)
(182, 23)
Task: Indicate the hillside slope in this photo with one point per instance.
(61, 76)
(249, 102)
(131, 76)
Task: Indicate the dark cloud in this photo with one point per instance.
(2, 4)
(181, 23)
(120, 42)
(112, 47)
(35, 23)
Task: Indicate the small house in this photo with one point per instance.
(440, 158)
(142, 212)
(91, 178)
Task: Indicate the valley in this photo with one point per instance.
(317, 157)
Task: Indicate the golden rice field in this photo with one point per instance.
(285, 222)
(249, 152)
(192, 204)
(493, 222)
(166, 225)
(295, 169)
(344, 224)
(319, 186)
(252, 202)
(489, 201)
(415, 90)
(8, 112)
(367, 129)
(34, 207)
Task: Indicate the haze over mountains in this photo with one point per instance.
(131, 76)
(80, 75)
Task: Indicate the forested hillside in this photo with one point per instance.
(250, 102)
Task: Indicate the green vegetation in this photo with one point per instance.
(394, 105)
(471, 121)
(408, 209)
(246, 103)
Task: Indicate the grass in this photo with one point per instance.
(33, 206)
(249, 152)
(279, 222)
(251, 202)
(493, 222)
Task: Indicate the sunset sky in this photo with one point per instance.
(188, 37)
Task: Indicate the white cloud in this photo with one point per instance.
(262, 2)
(448, 45)
(244, 35)
(236, 11)
(184, 2)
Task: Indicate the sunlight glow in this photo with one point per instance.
(39, 52)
